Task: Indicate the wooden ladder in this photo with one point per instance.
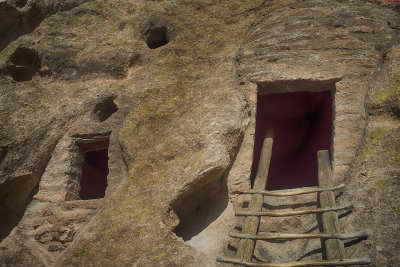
(333, 239)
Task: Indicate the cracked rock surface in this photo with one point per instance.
(170, 89)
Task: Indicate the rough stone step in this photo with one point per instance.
(87, 204)
(60, 185)
(55, 197)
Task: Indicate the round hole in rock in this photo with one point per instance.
(23, 64)
(302, 124)
(156, 37)
(105, 109)
(26, 57)
(94, 174)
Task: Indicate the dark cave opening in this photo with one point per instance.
(23, 64)
(302, 125)
(94, 174)
(201, 205)
(20, 73)
(157, 37)
(24, 56)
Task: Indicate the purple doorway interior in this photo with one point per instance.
(94, 174)
(302, 125)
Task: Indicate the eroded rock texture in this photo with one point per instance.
(19, 17)
(169, 89)
(299, 46)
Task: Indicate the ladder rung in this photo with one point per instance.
(292, 213)
(343, 262)
(299, 236)
(293, 192)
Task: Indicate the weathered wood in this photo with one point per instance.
(293, 192)
(300, 236)
(251, 223)
(344, 262)
(330, 222)
(295, 212)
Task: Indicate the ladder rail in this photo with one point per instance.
(293, 192)
(292, 236)
(294, 212)
(246, 246)
(343, 262)
(334, 248)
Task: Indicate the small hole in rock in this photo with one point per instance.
(23, 64)
(3, 152)
(157, 37)
(105, 109)
(26, 57)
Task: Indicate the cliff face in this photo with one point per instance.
(351, 46)
(169, 89)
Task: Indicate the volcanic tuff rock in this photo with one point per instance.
(19, 17)
(180, 118)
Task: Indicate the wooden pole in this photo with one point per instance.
(299, 236)
(344, 262)
(294, 212)
(251, 223)
(293, 192)
(330, 220)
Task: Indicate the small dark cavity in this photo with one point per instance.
(23, 64)
(94, 174)
(20, 73)
(26, 57)
(134, 59)
(3, 152)
(157, 37)
(105, 109)
(121, 26)
(53, 248)
(21, 3)
(200, 208)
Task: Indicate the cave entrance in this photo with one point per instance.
(302, 125)
(93, 182)
(201, 207)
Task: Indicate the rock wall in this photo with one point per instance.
(174, 84)
(19, 17)
(302, 46)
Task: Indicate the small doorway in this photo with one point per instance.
(93, 182)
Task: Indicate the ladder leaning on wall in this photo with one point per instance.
(333, 239)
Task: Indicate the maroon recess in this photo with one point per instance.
(94, 174)
(302, 123)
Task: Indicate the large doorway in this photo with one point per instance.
(302, 125)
